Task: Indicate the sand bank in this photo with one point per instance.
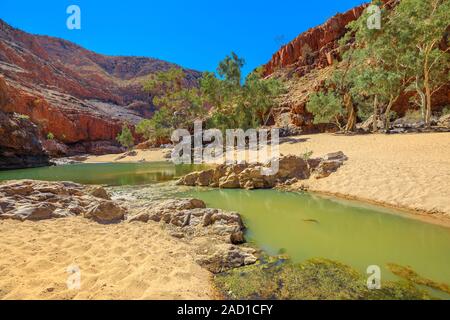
(405, 171)
(409, 171)
(119, 261)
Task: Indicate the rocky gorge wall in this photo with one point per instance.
(81, 97)
(307, 61)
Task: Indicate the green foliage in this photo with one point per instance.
(50, 136)
(159, 127)
(179, 104)
(315, 279)
(125, 138)
(326, 107)
(418, 29)
(378, 65)
(23, 117)
(413, 115)
(307, 155)
(236, 105)
(446, 111)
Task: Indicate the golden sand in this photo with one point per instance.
(409, 171)
(119, 261)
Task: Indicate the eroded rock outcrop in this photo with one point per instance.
(251, 176)
(315, 48)
(20, 146)
(40, 200)
(215, 234)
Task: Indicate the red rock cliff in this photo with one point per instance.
(76, 94)
(314, 48)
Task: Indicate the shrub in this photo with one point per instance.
(413, 115)
(50, 136)
(446, 111)
(23, 117)
(125, 138)
(326, 107)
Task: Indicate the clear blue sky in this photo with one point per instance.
(196, 34)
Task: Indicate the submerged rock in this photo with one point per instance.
(250, 176)
(39, 200)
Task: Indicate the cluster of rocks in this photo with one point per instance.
(407, 125)
(250, 176)
(215, 234)
(40, 200)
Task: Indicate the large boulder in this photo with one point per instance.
(105, 211)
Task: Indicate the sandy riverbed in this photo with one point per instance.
(410, 171)
(141, 261)
(119, 261)
(406, 171)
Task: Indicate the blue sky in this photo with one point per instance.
(196, 34)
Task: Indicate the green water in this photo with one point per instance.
(307, 226)
(111, 174)
(301, 225)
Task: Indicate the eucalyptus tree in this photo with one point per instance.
(422, 46)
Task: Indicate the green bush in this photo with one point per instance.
(413, 115)
(446, 111)
(23, 117)
(50, 136)
(125, 138)
(326, 107)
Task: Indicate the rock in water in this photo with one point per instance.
(250, 176)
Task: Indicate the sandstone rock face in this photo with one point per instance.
(19, 143)
(39, 200)
(76, 94)
(216, 235)
(250, 176)
(315, 48)
(20, 146)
